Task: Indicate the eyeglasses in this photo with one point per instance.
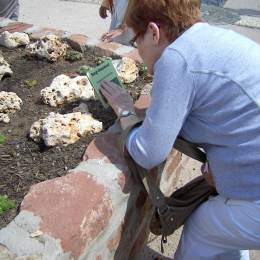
(133, 41)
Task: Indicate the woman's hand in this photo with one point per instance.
(103, 11)
(109, 36)
(117, 97)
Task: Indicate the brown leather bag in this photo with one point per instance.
(170, 213)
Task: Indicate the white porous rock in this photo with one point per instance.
(13, 40)
(9, 104)
(57, 129)
(4, 68)
(4, 118)
(126, 69)
(49, 47)
(36, 130)
(64, 89)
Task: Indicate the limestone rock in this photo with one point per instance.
(4, 118)
(49, 47)
(66, 129)
(36, 132)
(64, 89)
(126, 69)
(9, 104)
(13, 40)
(4, 68)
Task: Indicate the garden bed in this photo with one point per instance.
(22, 161)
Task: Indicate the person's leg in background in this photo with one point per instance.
(221, 229)
(15, 14)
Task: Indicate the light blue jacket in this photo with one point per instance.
(207, 88)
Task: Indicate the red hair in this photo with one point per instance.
(173, 16)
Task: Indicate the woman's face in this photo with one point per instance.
(151, 45)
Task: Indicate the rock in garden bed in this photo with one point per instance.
(126, 69)
(24, 162)
(65, 89)
(57, 129)
(5, 69)
(49, 47)
(13, 40)
(10, 103)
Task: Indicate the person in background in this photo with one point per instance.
(206, 89)
(9, 9)
(118, 31)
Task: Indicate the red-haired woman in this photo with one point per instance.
(206, 88)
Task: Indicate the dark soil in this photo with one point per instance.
(23, 162)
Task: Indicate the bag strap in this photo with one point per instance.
(153, 190)
(190, 149)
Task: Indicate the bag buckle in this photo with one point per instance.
(162, 210)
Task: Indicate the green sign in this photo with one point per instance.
(104, 71)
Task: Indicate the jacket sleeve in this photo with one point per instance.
(172, 97)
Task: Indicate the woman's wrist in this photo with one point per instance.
(131, 120)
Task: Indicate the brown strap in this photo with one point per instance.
(190, 149)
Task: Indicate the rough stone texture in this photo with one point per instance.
(16, 237)
(13, 40)
(104, 148)
(133, 54)
(64, 89)
(74, 209)
(5, 68)
(10, 103)
(57, 129)
(78, 42)
(127, 69)
(38, 33)
(49, 47)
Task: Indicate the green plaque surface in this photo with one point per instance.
(104, 71)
